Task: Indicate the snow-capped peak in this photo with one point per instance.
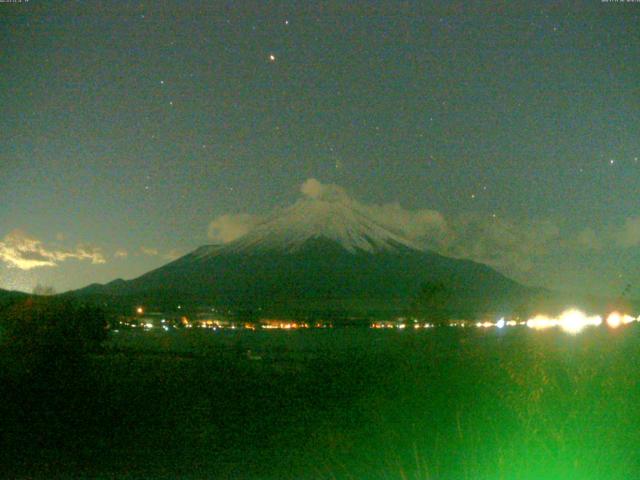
(327, 213)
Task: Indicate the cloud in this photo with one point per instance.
(500, 243)
(83, 252)
(623, 236)
(588, 240)
(312, 188)
(530, 250)
(172, 254)
(19, 250)
(504, 244)
(154, 252)
(412, 224)
(422, 224)
(149, 251)
(629, 235)
(121, 253)
(510, 246)
(227, 228)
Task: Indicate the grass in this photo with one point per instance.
(336, 404)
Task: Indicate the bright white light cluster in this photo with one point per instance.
(571, 321)
(501, 323)
(615, 319)
(574, 321)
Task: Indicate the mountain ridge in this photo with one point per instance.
(322, 254)
(341, 220)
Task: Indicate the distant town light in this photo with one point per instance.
(570, 321)
(614, 320)
(573, 321)
(540, 322)
(485, 324)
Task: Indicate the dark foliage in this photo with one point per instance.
(433, 302)
(51, 325)
(48, 402)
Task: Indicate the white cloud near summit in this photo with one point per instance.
(497, 242)
(413, 224)
(315, 190)
(521, 249)
(226, 228)
(420, 224)
(504, 244)
(312, 188)
(20, 250)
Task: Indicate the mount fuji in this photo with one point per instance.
(335, 220)
(324, 255)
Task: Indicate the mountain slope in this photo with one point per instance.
(9, 297)
(337, 219)
(322, 255)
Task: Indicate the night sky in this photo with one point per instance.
(127, 128)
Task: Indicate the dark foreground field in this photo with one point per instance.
(345, 403)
